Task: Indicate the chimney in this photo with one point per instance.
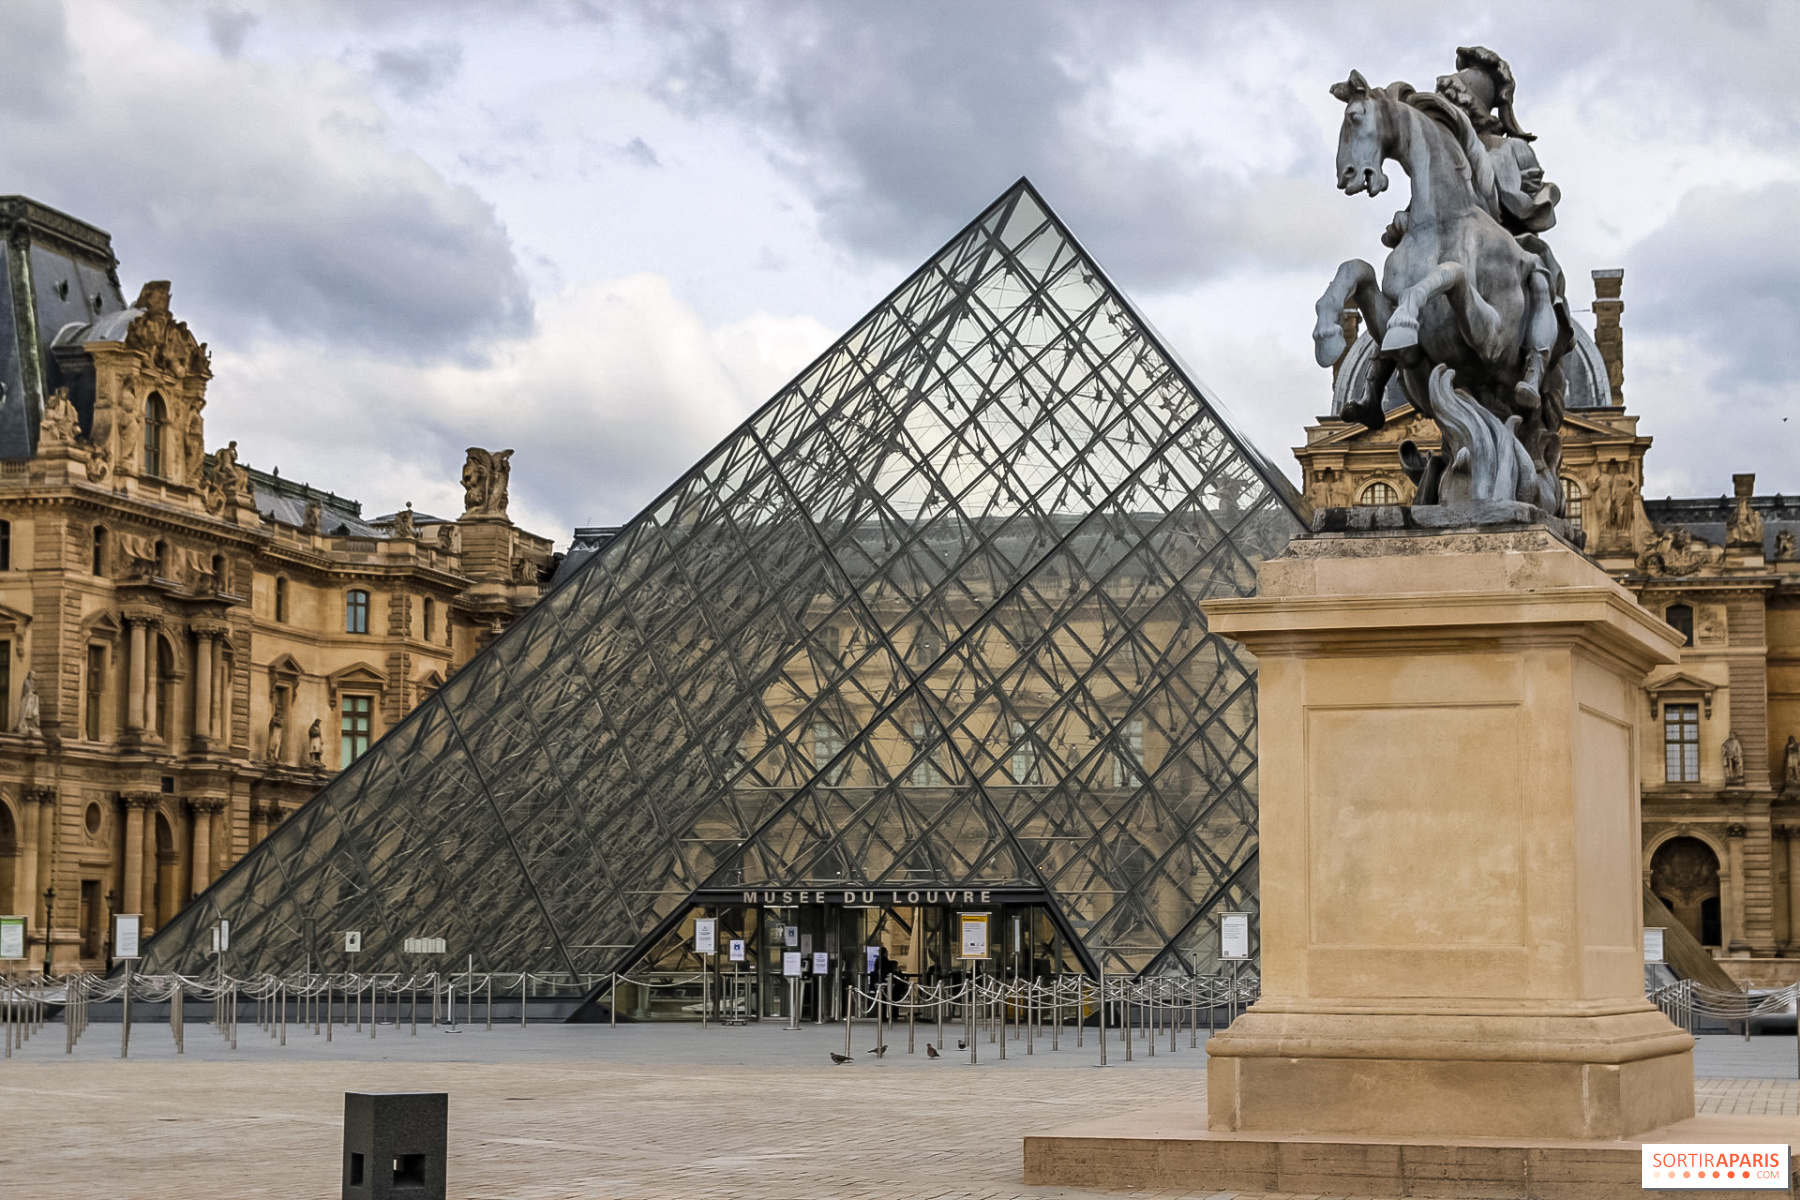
(1350, 320)
(1607, 335)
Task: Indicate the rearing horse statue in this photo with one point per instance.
(1458, 291)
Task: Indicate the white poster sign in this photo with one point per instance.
(12, 937)
(126, 927)
(353, 941)
(790, 936)
(1234, 935)
(1653, 944)
(974, 935)
(737, 950)
(821, 963)
(224, 935)
(706, 935)
(790, 963)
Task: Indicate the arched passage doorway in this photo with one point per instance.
(1684, 874)
(9, 862)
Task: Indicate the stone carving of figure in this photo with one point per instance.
(1790, 766)
(233, 478)
(310, 522)
(1678, 552)
(28, 706)
(1746, 525)
(403, 522)
(196, 444)
(1731, 754)
(484, 479)
(1483, 87)
(60, 426)
(315, 743)
(277, 727)
(1784, 545)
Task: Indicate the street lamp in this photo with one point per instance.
(111, 901)
(49, 924)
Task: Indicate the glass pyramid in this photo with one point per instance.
(928, 621)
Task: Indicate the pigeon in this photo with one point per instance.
(931, 1051)
(840, 1059)
(879, 1052)
(962, 1043)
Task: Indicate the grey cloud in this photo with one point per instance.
(416, 71)
(278, 212)
(35, 56)
(641, 152)
(229, 27)
(1724, 274)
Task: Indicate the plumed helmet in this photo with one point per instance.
(1483, 87)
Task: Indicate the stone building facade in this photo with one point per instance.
(1720, 731)
(189, 648)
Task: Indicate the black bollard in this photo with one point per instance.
(395, 1144)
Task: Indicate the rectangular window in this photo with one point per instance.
(1129, 755)
(430, 619)
(1024, 756)
(356, 611)
(1681, 743)
(828, 743)
(5, 545)
(833, 641)
(6, 686)
(90, 700)
(924, 772)
(358, 715)
(92, 918)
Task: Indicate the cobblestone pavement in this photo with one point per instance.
(598, 1113)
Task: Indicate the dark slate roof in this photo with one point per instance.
(285, 501)
(584, 545)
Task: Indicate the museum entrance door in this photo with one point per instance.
(866, 936)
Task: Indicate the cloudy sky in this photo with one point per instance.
(602, 233)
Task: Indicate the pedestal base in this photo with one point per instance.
(1471, 1074)
(1172, 1150)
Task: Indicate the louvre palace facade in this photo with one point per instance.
(1719, 733)
(189, 648)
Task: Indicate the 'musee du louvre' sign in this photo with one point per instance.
(885, 895)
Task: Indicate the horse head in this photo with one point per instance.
(1362, 138)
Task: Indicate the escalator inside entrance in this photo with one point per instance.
(839, 944)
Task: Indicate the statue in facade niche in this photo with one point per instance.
(1468, 310)
(315, 743)
(277, 728)
(403, 522)
(61, 425)
(1790, 762)
(484, 478)
(309, 521)
(1731, 756)
(1784, 545)
(29, 707)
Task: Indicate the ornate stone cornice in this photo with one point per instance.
(212, 628)
(140, 799)
(142, 613)
(206, 804)
(37, 794)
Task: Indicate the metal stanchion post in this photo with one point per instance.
(849, 1017)
(522, 1019)
(1125, 1024)
(124, 1013)
(415, 1005)
(1102, 1012)
(281, 1011)
(490, 1001)
(375, 1012)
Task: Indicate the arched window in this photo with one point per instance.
(1379, 493)
(156, 431)
(1571, 503)
(281, 600)
(1681, 616)
(165, 690)
(356, 611)
(99, 549)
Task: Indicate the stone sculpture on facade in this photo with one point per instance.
(29, 707)
(315, 744)
(1678, 552)
(277, 726)
(1745, 529)
(484, 477)
(1470, 302)
(61, 425)
(1731, 755)
(1790, 762)
(403, 522)
(1785, 549)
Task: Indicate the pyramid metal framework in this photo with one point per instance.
(930, 617)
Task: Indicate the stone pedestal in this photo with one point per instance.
(1450, 895)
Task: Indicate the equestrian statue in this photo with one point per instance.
(1469, 311)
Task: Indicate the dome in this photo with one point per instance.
(1584, 377)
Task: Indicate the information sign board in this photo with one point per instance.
(790, 936)
(353, 941)
(871, 956)
(790, 963)
(12, 937)
(706, 935)
(1234, 935)
(737, 950)
(224, 935)
(821, 963)
(1653, 944)
(126, 927)
(419, 945)
(974, 935)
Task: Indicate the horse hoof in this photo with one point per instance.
(1401, 335)
(1526, 398)
(1328, 346)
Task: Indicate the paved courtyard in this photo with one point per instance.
(593, 1112)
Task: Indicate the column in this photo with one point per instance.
(1793, 864)
(203, 693)
(1732, 912)
(133, 888)
(46, 831)
(26, 896)
(134, 685)
(146, 898)
(220, 816)
(215, 715)
(150, 681)
(200, 859)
